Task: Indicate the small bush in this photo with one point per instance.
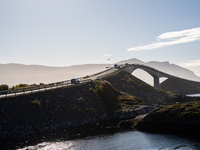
(33, 84)
(21, 85)
(36, 102)
(3, 87)
(86, 77)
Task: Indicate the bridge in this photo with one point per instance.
(156, 74)
(130, 68)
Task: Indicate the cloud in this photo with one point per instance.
(171, 38)
(107, 55)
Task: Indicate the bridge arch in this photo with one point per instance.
(153, 72)
(143, 75)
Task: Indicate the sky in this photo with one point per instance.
(71, 32)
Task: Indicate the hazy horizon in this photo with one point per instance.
(74, 32)
(14, 74)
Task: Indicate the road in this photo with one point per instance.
(92, 77)
(112, 70)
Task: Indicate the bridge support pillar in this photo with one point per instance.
(156, 82)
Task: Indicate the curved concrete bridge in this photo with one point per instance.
(156, 74)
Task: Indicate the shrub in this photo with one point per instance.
(3, 87)
(36, 102)
(33, 84)
(86, 77)
(21, 85)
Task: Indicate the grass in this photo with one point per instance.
(188, 108)
(36, 102)
(112, 75)
(115, 99)
(91, 90)
(129, 100)
(163, 91)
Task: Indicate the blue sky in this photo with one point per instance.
(70, 32)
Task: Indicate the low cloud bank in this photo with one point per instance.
(192, 65)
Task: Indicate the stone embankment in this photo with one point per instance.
(177, 85)
(65, 112)
(181, 118)
(75, 110)
(132, 112)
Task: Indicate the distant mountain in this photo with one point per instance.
(131, 61)
(13, 74)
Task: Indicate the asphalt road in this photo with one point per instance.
(93, 77)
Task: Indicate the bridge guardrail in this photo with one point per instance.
(49, 86)
(99, 77)
(172, 76)
(97, 73)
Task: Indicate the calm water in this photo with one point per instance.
(130, 140)
(194, 95)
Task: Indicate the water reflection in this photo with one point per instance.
(131, 140)
(193, 95)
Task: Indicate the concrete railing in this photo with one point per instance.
(89, 76)
(50, 86)
(99, 77)
(33, 89)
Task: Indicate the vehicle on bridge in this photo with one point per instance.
(116, 66)
(75, 81)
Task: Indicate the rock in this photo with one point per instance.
(126, 124)
(171, 119)
(143, 109)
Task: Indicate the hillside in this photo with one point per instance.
(128, 83)
(13, 74)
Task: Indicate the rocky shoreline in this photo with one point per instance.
(179, 118)
(119, 121)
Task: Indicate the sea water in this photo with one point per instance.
(129, 140)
